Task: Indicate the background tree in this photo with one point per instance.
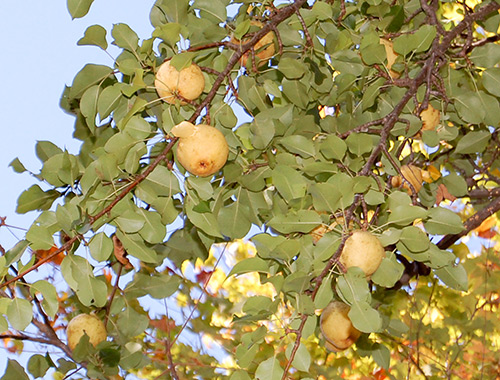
(375, 116)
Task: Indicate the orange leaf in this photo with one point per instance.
(486, 225)
(443, 193)
(43, 253)
(120, 252)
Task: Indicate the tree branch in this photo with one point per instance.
(473, 222)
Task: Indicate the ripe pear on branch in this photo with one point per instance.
(337, 328)
(177, 86)
(202, 149)
(88, 324)
(263, 50)
(363, 250)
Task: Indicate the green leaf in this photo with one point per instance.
(359, 143)
(296, 92)
(289, 182)
(88, 105)
(92, 292)
(50, 302)
(20, 313)
(425, 36)
(158, 287)
(94, 35)
(491, 80)
(388, 273)
(109, 99)
(326, 196)
(79, 8)
(73, 268)
(162, 181)
(381, 355)
(38, 365)
(455, 276)
(419, 41)
(17, 166)
(302, 359)
(234, 220)
(365, 318)
(36, 199)
(473, 142)
(455, 184)
(90, 75)
(269, 369)
(16, 252)
(131, 323)
(262, 132)
(443, 221)
(110, 356)
(4, 325)
(130, 221)
(405, 214)
(153, 231)
(182, 60)
(373, 53)
(414, 239)
(14, 371)
(333, 147)
(125, 37)
(470, 107)
(101, 247)
(39, 237)
(240, 374)
(136, 247)
(352, 286)
(213, 10)
(46, 149)
(251, 264)
(302, 221)
(291, 68)
(322, 11)
(347, 62)
(205, 221)
(486, 56)
(300, 145)
(165, 11)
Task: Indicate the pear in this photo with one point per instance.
(202, 149)
(337, 328)
(264, 49)
(85, 324)
(173, 85)
(362, 249)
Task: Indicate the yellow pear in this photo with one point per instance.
(85, 324)
(391, 57)
(363, 250)
(337, 328)
(202, 149)
(173, 85)
(264, 49)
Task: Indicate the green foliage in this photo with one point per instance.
(317, 138)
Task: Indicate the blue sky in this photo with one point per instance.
(39, 57)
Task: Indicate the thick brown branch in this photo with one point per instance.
(280, 16)
(473, 222)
